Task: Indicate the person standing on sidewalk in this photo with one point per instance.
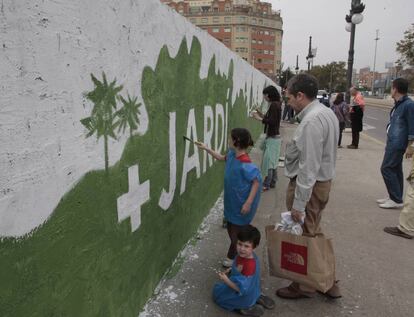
(286, 107)
(400, 133)
(310, 164)
(340, 108)
(242, 181)
(271, 145)
(406, 227)
(356, 114)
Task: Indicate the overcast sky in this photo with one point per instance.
(324, 20)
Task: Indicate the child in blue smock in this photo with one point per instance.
(242, 181)
(240, 291)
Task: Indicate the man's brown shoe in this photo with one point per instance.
(397, 232)
(293, 292)
(351, 146)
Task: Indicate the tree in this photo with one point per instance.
(405, 48)
(102, 118)
(331, 77)
(285, 76)
(128, 114)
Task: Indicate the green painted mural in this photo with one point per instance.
(96, 257)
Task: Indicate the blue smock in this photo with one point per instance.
(249, 286)
(238, 180)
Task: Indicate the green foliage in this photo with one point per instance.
(331, 77)
(128, 115)
(102, 119)
(286, 75)
(104, 97)
(405, 47)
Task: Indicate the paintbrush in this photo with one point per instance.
(192, 141)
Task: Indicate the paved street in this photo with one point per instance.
(374, 268)
(375, 122)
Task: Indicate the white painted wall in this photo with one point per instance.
(48, 51)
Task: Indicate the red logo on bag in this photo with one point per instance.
(294, 258)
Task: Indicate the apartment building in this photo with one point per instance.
(248, 27)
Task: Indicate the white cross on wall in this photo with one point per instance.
(129, 204)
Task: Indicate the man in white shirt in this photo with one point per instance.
(310, 164)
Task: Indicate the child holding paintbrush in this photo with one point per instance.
(242, 182)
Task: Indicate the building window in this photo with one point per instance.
(193, 20)
(266, 52)
(227, 30)
(242, 19)
(216, 30)
(253, 41)
(266, 32)
(260, 42)
(254, 21)
(204, 20)
(216, 19)
(260, 21)
(242, 50)
(271, 52)
(227, 19)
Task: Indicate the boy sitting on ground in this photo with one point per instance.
(241, 291)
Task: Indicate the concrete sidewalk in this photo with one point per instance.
(375, 269)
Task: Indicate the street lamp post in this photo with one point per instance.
(297, 64)
(375, 60)
(355, 17)
(330, 79)
(310, 56)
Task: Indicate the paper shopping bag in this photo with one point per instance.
(306, 260)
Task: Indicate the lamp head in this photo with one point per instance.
(358, 8)
(357, 18)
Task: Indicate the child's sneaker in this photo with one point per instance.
(255, 310)
(266, 302)
(224, 223)
(227, 262)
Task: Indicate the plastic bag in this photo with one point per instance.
(287, 224)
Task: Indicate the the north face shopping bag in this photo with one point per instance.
(305, 260)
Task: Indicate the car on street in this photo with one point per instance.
(320, 93)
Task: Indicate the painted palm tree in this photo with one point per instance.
(101, 121)
(128, 114)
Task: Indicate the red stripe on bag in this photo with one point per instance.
(294, 258)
